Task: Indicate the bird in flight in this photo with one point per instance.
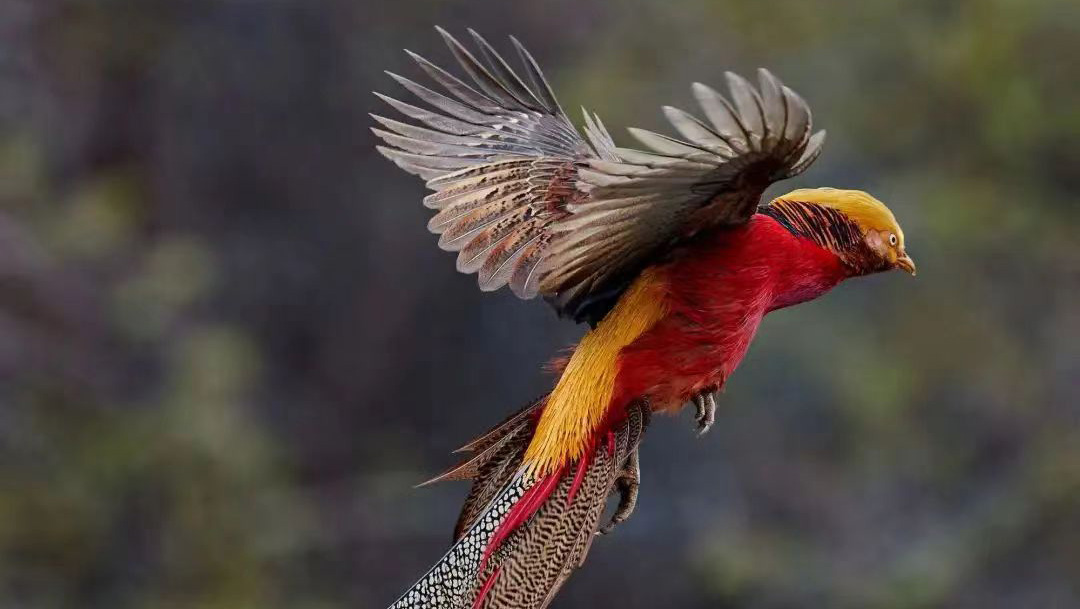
(667, 253)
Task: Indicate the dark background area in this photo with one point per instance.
(229, 348)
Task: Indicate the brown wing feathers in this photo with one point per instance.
(526, 201)
(499, 154)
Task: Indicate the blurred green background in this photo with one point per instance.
(228, 347)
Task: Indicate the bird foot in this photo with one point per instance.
(628, 483)
(705, 405)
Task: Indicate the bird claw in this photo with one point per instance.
(705, 403)
(628, 484)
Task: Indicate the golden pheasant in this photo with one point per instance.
(667, 253)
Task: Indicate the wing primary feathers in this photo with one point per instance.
(434, 120)
(540, 84)
(722, 115)
(605, 137)
(480, 75)
(669, 146)
(403, 162)
(430, 135)
(452, 107)
(799, 120)
(506, 75)
(599, 137)
(810, 154)
(430, 148)
(456, 86)
(773, 107)
(697, 132)
(748, 103)
(433, 162)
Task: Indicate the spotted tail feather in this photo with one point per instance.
(520, 549)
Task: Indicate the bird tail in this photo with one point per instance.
(521, 535)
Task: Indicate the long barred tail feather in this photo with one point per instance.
(452, 581)
(528, 534)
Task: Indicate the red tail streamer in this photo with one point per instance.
(579, 477)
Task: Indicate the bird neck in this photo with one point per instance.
(761, 266)
(808, 270)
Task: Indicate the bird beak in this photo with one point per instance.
(906, 263)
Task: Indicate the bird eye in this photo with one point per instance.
(892, 240)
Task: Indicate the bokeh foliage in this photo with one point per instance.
(228, 347)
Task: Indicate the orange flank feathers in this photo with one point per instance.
(581, 399)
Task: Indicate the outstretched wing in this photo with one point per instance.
(527, 201)
(648, 201)
(502, 160)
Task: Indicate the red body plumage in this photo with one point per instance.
(718, 292)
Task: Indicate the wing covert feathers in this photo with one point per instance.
(528, 201)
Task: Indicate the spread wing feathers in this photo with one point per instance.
(529, 202)
(643, 201)
(500, 155)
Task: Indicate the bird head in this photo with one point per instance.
(855, 226)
